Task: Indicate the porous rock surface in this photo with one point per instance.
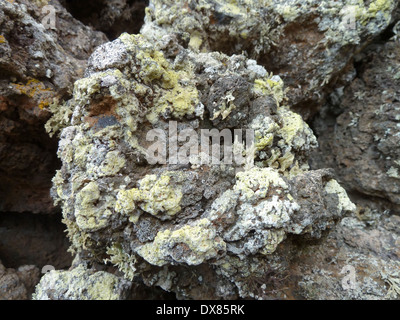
(168, 223)
(359, 260)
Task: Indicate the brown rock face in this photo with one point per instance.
(111, 17)
(18, 284)
(38, 67)
(363, 145)
(359, 260)
(27, 160)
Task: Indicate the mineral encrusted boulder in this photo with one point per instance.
(194, 227)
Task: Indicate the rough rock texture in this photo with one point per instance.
(309, 43)
(168, 223)
(359, 260)
(37, 65)
(99, 283)
(265, 228)
(82, 284)
(358, 133)
(18, 284)
(363, 142)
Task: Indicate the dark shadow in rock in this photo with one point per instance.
(111, 17)
(28, 239)
(28, 157)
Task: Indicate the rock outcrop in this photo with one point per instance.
(185, 164)
(166, 220)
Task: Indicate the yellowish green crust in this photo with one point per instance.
(333, 187)
(198, 243)
(78, 284)
(154, 195)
